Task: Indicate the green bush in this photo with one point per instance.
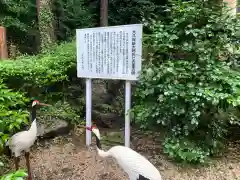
(50, 76)
(34, 74)
(64, 111)
(11, 115)
(18, 175)
(189, 80)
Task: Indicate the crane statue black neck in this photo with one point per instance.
(34, 112)
(34, 109)
(98, 142)
(96, 134)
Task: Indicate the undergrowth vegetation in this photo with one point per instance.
(34, 74)
(49, 77)
(191, 79)
(11, 115)
(18, 175)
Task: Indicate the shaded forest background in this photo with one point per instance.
(59, 18)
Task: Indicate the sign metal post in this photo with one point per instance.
(113, 52)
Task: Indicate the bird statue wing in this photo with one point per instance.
(17, 139)
(134, 163)
(139, 166)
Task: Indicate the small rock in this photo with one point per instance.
(56, 128)
(66, 169)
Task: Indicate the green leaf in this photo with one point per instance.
(20, 173)
(1, 164)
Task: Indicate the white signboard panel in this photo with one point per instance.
(113, 52)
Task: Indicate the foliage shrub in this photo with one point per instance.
(11, 115)
(18, 175)
(35, 74)
(190, 79)
(64, 111)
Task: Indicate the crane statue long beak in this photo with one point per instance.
(42, 104)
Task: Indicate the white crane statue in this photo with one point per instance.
(135, 165)
(22, 141)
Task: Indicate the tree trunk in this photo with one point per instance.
(45, 22)
(104, 13)
(3, 43)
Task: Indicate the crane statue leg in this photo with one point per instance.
(27, 156)
(16, 162)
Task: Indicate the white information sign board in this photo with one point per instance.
(113, 52)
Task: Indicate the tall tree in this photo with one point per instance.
(71, 15)
(45, 23)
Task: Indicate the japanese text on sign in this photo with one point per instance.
(113, 52)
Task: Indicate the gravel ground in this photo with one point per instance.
(66, 159)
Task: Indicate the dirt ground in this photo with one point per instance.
(66, 158)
